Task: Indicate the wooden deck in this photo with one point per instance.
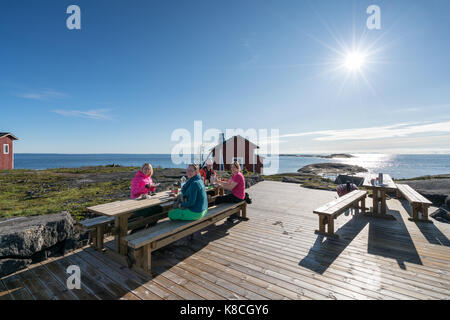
(275, 255)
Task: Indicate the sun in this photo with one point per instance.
(354, 61)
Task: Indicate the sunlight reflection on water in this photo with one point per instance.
(375, 163)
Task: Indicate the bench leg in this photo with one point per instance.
(330, 225)
(99, 237)
(147, 258)
(93, 240)
(243, 212)
(423, 208)
(424, 212)
(415, 212)
(322, 221)
(143, 258)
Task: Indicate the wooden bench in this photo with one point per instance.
(418, 202)
(329, 212)
(105, 224)
(141, 244)
(98, 227)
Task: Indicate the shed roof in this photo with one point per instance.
(239, 136)
(6, 134)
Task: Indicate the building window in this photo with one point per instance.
(6, 149)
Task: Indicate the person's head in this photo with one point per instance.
(209, 164)
(348, 185)
(235, 167)
(147, 169)
(192, 170)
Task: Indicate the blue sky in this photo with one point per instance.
(138, 70)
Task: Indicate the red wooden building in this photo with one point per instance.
(240, 149)
(6, 151)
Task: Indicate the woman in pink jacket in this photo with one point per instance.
(142, 183)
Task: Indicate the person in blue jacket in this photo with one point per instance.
(194, 205)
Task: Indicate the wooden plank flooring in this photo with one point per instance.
(274, 255)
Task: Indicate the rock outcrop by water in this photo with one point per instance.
(331, 169)
(27, 240)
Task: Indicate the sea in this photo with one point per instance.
(401, 166)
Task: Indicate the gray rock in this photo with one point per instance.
(331, 168)
(293, 180)
(252, 180)
(8, 266)
(24, 237)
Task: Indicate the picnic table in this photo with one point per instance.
(122, 210)
(379, 194)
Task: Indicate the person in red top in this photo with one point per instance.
(237, 186)
(207, 172)
(343, 189)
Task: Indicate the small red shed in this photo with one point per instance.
(6, 151)
(240, 149)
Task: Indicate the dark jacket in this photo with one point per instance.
(194, 195)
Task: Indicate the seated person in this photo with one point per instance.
(237, 186)
(343, 189)
(142, 183)
(207, 173)
(194, 202)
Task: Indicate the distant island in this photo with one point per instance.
(331, 156)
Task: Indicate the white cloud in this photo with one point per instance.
(42, 95)
(98, 114)
(381, 132)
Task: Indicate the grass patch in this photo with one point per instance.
(441, 176)
(37, 192)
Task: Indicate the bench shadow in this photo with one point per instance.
(323, 253)
(429, 230)
(171, 255)
(393, 244)
(392, 241)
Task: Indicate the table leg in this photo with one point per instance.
(383, 201)
(121, 224)
(375, 201)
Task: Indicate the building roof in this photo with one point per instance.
(239, 136)
(6, 134)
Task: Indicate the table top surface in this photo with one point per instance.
(118, 208)
(388, 183)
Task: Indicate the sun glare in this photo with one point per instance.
(354, 61)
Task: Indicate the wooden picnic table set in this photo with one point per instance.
(380, 185)
(118, 218)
